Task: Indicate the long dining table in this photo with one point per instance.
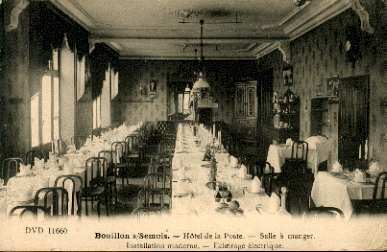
(21, 189)
(190, 175)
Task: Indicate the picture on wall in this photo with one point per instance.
(153, 87)
(287, 75)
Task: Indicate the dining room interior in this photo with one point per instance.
(146, 107)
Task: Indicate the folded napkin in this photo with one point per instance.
(374, 168)
(233, 161)
(38, 163)
(337, 167)
(359, 176)
(24, 170)
(243, 171)
(255, 186)
(289, 142)
(71, 148)
(52, 165)
(273, 204)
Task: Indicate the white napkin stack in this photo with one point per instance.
(337, 167)
(273, 204)
(289, 142)
(374, 168)
(25, 170)
(359, 176)
(255, 185)
(233, 162)
(38, 164)
(71, 148)
(243, 171)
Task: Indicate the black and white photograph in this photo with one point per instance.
(195, 125)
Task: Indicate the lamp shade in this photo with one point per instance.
(201, 83)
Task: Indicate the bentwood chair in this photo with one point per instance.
(28, 210)
(296, 165)
(94, 187)
(55, 200)
(267, 177)
(10, 167)
(378, 204)
(110, 174)
(149, 201)
(325, 212)
(379, 199)
(297, 177)
(132, 147)
(73, 183)
(121, 163)
(159, 182)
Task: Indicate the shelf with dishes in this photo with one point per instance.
(285, 116)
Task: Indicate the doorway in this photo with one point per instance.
(264, 115)
(354, 122)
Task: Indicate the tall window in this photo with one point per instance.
(45, 106)
(183, 102)
(35, 125)
(97, 112)
(50, 101)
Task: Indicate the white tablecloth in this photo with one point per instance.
(200, 199)
(21, 190)
(333, 191)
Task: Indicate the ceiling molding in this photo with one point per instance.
(363, 15)
(188, 40)
(182, 58)
(265, 49)
(75, 12)
(15, 13)
(303, 22)
(313, 16)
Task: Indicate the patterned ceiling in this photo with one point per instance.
(233, 29)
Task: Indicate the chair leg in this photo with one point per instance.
(115, 193)
(107, 203)
(99, 208)
(79, 203)
(86, 206)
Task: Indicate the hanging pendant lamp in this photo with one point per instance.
(201, 83)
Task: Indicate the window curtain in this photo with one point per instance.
(81, 77)
(114, 88)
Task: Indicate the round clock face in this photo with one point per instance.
(348, 46)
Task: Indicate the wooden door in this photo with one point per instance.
(264, 115)
(353, 121)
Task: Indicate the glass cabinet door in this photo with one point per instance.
(239, 102)
(251, 99)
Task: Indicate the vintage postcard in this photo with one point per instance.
(222, 125)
